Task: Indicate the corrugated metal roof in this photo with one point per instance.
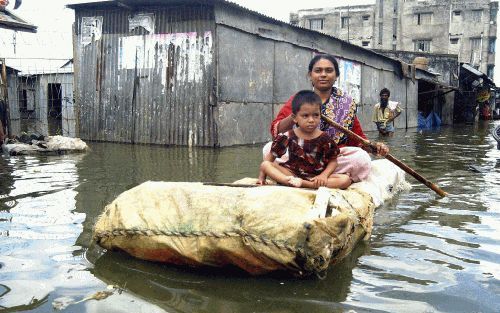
(133, 4)
(10, 21)
(478, 73)
(36, 66)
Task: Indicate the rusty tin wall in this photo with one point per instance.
(146, 76)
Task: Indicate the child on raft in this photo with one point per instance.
(312, 153)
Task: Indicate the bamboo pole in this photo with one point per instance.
(391, 158)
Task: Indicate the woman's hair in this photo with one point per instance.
(385, 91)
(328, 57)
(304, 96)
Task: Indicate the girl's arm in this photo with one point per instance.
(322, 179)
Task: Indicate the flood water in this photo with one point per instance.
(426, 254)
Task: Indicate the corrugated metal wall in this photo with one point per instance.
(139, 87)
(14, 116)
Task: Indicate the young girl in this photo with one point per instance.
(312, 153)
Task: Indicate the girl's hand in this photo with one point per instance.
(319, 181)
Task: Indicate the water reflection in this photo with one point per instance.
(182, 290)
(430, 253)
(38, 228)
(6, 184)
(426, 253)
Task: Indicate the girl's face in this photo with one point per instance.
(323, 75)
(308, 117)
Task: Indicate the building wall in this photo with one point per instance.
(148, 77)
(271, 71)
(14, 116)
(446, 26)
(208, 77)
(387, 23)
(42, 98)
(400, 25)
(357, 29)
(445, 64)
(36, 87)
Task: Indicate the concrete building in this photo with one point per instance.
(462, 27)
(210, 72)
(446, 66)
(355, 24)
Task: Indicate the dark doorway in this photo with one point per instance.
(54, 109)
(430, 104)
(426, 97)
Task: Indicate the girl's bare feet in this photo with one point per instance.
(294, 181)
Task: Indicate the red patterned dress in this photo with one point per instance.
(307, 158)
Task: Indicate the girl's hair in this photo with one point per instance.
(328, 57)
(304, 96)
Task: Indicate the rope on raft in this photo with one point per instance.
(226, 234)
(311, 264)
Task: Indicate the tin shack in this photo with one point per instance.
(209, 72)
(9, 24)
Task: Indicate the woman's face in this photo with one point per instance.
(323, 75)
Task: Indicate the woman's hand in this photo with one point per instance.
(382, 149)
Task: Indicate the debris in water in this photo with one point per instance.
(63, 302)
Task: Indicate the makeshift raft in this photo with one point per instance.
(50, 145)
(258, 229)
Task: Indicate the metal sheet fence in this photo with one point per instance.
(146, 77)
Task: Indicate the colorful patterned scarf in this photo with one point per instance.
(342, 109)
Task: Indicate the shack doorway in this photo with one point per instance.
(430, 104)
(54, 109)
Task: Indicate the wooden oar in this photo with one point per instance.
(400, 164)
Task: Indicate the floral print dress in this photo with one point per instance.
(307, 158)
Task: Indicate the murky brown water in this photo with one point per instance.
(426, 254)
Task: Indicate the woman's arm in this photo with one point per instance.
(283, 121)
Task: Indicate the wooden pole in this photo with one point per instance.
(391, 158)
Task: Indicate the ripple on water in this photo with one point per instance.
(426, 254)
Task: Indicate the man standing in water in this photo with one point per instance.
(385, 112)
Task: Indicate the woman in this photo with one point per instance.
(323, 71)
